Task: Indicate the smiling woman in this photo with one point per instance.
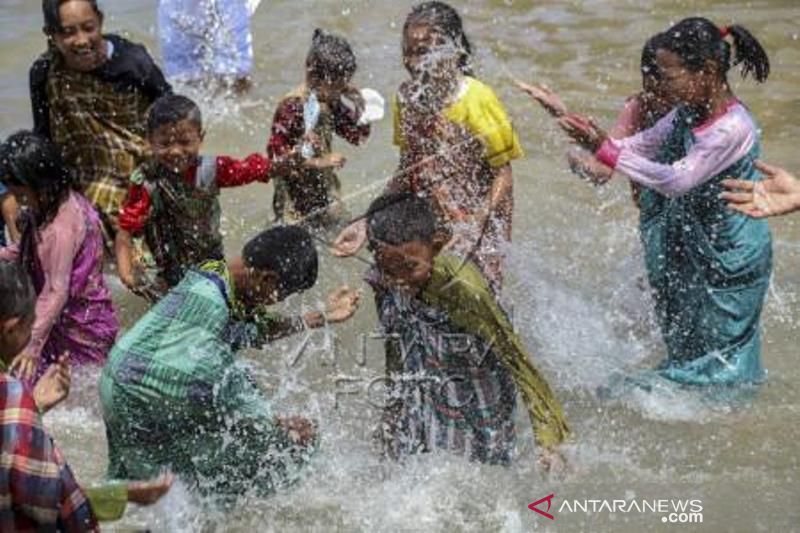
(90, 93)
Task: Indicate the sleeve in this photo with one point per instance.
(9, 253)
(39, 104)
(57, 249)
(461, 290)
(629, 119)
(153, 83)
(716, 148)
(135, 209)
(287, 128)
(233, 173)
(346, 126)
(646, 143)
(489, 120)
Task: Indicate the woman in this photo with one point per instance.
(90, 93)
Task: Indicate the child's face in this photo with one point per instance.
(80, 40)
(15, 334)
(177, 146)
(260, 288)
(683, 84)
(328, 91)
(427, 51)
(406, 267)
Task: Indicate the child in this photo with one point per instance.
(62, 249)
(174, 396)
(452, 355)
(90, 93)
(708, 266)
(174, 198)
(207, 39)
(778, 194)
(37, 489)
(456, 141)
(307, 189)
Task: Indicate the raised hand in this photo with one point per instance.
(53, 387)
(350, 240)
(778, 194)
(24, 366)
(584, 131)
(542, 94)
(342, 304)
(149, 492)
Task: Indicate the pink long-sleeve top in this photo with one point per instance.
(72, 296)
(720, 142)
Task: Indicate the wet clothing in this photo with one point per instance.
(451, 156)
(709, 266)
(74, 312)
(98, 119)
(180, 215)
(174, 396)
(310, 195)
(38, 491)
(454, 366)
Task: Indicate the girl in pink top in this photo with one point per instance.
(62, 248)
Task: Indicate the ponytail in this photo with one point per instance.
(749, 53)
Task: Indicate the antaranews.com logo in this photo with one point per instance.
(670, 511)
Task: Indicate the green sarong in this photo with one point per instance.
(174, 398)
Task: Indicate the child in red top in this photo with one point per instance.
(173, 200)
(307, 189)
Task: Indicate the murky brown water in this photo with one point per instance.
(574, 287)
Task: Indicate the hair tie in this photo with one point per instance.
(724, 31)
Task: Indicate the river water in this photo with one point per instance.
(576, 287)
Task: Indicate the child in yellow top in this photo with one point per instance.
(456, 141)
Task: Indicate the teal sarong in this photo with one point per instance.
(709, 268)
(173, 397)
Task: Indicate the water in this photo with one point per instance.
(576, 288)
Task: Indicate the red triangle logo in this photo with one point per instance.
(549, 499)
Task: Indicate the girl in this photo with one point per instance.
(456, 141)
(307, 189)
(62, 249)
(709, 267)
(90, 93)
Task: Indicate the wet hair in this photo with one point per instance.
(446, 19)
(171, 109)
(289, 252)
(697, 40)
(30, 160)
(400, 218)
(17, 295)
(330, 57)
(649, 65)
(52, 18)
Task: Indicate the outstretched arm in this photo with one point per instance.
(778, 194)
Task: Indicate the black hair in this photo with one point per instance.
(287, 251)
(400, 218)
(446, 19)
(30, 160)
(17, 296)
(52, 19)
(171, 109)
(330, 57)
(697, 40)
(649, 65)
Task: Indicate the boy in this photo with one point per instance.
(37, 488)
(307, 189)
(452, 355)
(174, 199)
(174, 396)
